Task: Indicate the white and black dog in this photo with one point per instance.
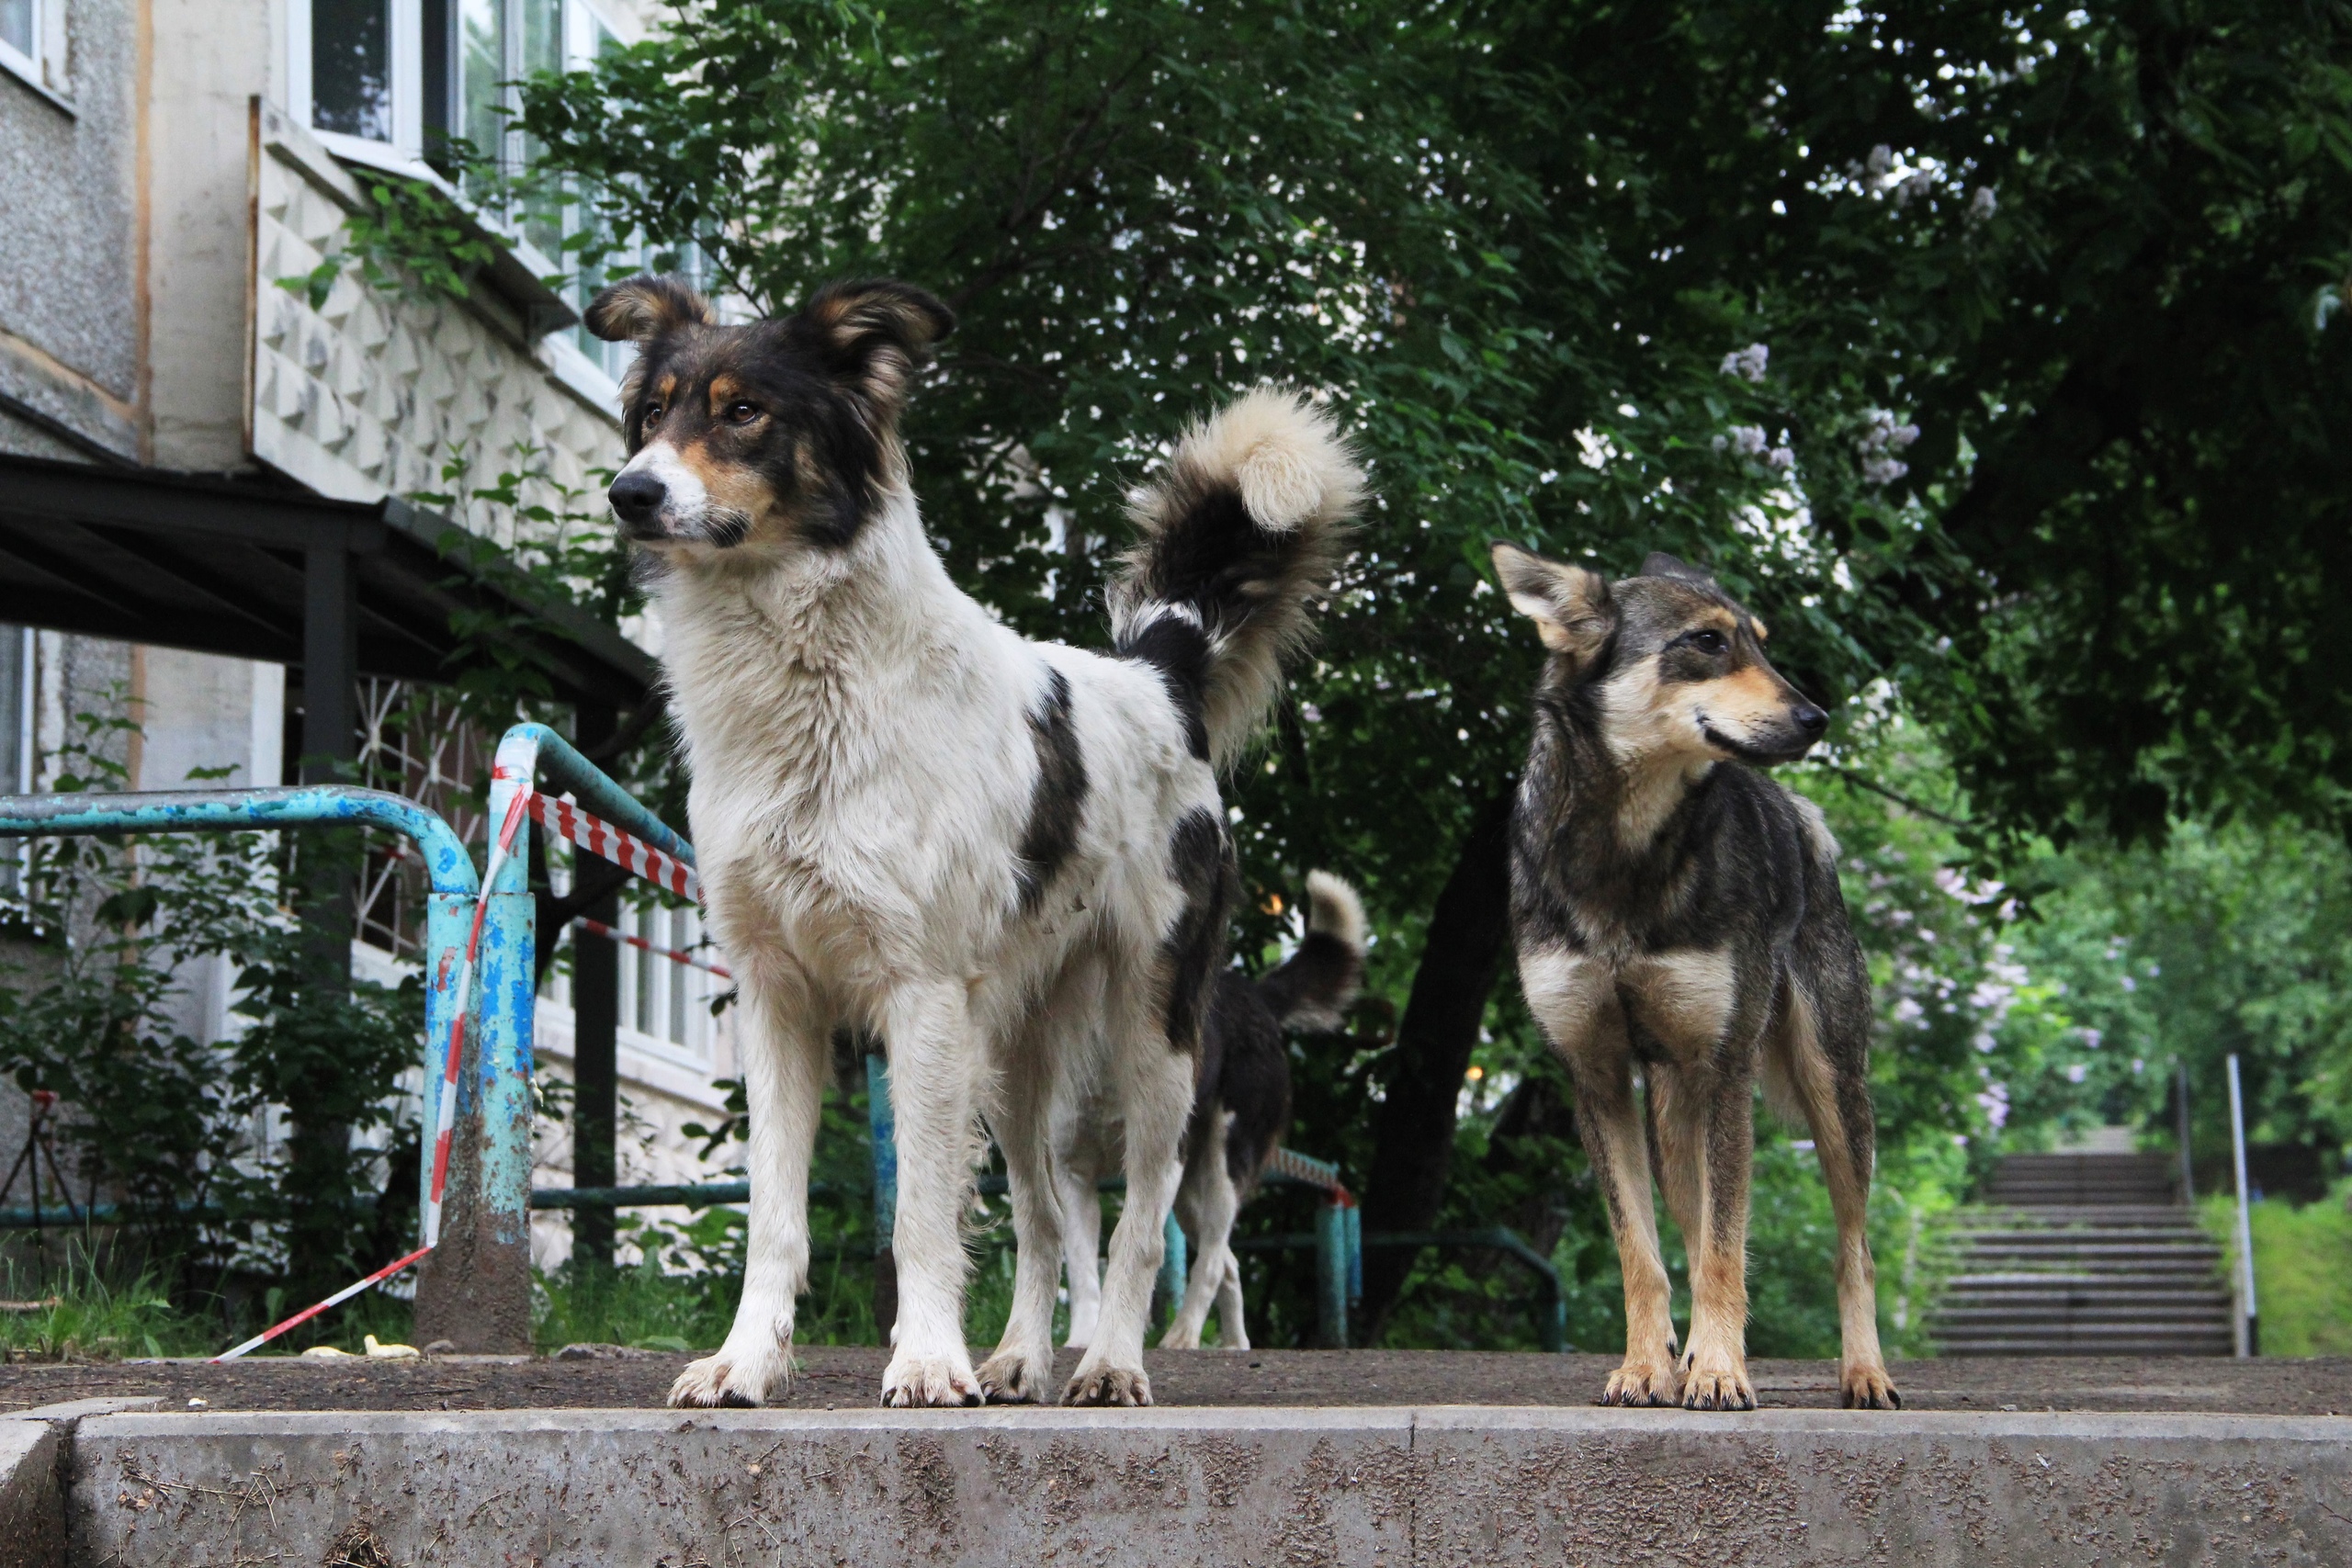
(1007, 858)
(1241, 1110)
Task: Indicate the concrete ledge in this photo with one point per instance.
(33, 1497)
(1431, 1485)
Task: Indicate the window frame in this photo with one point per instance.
(45, 69)
(405, 42)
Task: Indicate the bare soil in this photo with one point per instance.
(846, 1376)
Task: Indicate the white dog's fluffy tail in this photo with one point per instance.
(1246, 522)
(1316, 984)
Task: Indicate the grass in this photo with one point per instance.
(84, 1315)
(2302, 1268)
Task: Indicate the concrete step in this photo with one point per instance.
(2088, 1339)
(2077, 1280)
(2160, 1216)
(2075, 1315)
(2220, 1346)
(1501, 1486)
(2086, 1235)
(2085, 1292)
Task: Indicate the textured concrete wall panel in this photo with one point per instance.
(1299, 1487)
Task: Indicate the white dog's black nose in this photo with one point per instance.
(1809, 718)
(637, 498)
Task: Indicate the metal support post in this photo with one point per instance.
(2250, 1319)
(475, 1288)
(1355, 1255)
(1174, 1264)
(596, 1046)
(1331, 1275)
(882, 1127)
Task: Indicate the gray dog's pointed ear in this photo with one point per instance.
(641, 309)
(1660, 564)
(877, 334)
(1570, 606)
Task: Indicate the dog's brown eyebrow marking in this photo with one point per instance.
(724, 389)
(665, 388)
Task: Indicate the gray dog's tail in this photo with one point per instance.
(1244, 526)
(1314, 988)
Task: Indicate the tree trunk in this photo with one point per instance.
(1413, 1143)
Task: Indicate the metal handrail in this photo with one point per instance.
(446, 864)
(455, 884)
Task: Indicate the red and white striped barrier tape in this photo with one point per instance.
(1311, 1172)
(671, 954)
(601, 838)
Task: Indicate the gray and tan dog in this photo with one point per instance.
(1678, 915)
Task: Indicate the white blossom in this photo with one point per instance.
(1747, 363)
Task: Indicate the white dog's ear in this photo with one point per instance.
(1570, 606)
(644, 308)
(877, 334)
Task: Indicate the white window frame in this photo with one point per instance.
(405, 42)
(44, 69)
(406, 46)
(699, 1050)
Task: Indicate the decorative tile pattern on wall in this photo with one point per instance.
(375, 392)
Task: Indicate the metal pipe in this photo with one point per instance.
(2250, 1318)
(529, 752)
(449, 870)
(1331, 1275)
(693, 1195)
(446, 865)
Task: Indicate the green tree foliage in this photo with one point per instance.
(2234, 939)
(1985, 350)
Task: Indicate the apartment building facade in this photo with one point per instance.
(173, 175)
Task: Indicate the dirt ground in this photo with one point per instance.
(845, 1377)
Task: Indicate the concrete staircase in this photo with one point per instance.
(2083, 1254)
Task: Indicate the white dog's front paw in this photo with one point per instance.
(1182, 1336)
(1104, 1384)
(734, 1378)
(914, 1381)
(1016, 1377)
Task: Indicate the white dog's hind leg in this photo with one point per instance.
(1155, 1085)
(1231, 1331)
(784, 1051)
(934, 1067)
(1023, 1361)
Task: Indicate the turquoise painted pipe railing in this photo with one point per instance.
(453, 884)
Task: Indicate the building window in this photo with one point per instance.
(32, 44)
(351, 68)
(403, 76)
(665, 1004)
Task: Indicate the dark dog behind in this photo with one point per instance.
(1240, 1114)
(1678, 915)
